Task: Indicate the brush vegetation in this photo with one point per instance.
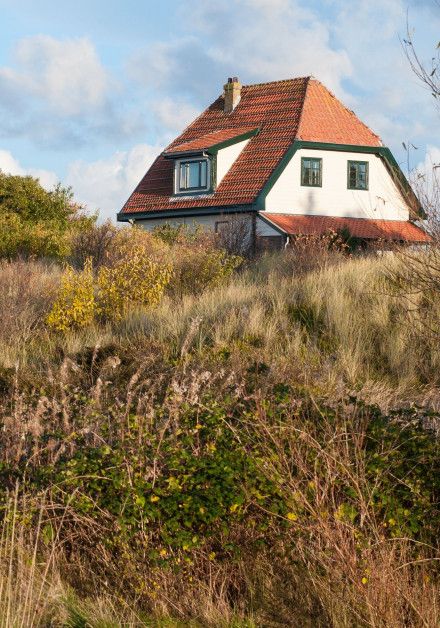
(189, 438)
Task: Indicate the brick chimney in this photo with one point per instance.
(232, 94)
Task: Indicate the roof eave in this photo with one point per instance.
(214, 148)
(185, 212)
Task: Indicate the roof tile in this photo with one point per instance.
(369, 229)
(209, 140)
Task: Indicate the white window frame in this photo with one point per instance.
(177, 190)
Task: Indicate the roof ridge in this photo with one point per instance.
(304, 98)
(289, 80)
(333, 95)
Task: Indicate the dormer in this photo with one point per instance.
(200, 164)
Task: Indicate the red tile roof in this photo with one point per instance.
(209, 140)
(300, 108)
(369, 229)
(326, 119)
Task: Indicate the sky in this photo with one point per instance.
(92, 90)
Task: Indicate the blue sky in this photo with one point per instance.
(91, 91)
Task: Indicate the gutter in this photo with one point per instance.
(185, 213)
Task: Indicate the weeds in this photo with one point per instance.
(258, 449)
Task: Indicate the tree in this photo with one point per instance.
(416, 275)
(37, 222)
(426, 183)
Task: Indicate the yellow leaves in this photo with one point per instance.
(75, 306)
(154, 498)
(134, 280)
(173, 484)
(199, 426)
(291, 516)
(364, 580)
(234, 507)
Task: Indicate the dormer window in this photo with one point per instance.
(192, 175)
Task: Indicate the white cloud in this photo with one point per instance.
(281, 41)
(257, 40)
(106, 184)
(10, 165)
(58, 94)
(173, 114)
(66, 75)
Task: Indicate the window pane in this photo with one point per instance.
(352, 176)
(182, 180)
(315, 173)
(305, 172)
(193, 174)
(311, 172)
(358, 175)
(203, 174)
(362, 178)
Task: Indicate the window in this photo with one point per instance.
(221, 226)
(192, 175)
(311, 171)
(357, 176)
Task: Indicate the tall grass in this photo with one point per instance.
(125, 389)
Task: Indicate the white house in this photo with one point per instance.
(287, 155)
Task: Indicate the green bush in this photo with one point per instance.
(35, 222)
(31, 239)
(197, 268)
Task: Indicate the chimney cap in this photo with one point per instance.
(233, 79)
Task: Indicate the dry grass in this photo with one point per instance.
(338, 329)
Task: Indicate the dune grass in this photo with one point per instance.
(268, 375)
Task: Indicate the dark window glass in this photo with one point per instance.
(193, 175)
(311, 171)
(357, 175)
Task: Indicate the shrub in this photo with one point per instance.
(136, 280)
(31, 239)
(83, 297)
(75, 306)
(309, 252)
(235, 236)
(197, 268)
(96, 242)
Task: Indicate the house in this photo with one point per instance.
(289, 158)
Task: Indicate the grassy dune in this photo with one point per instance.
(259, 453)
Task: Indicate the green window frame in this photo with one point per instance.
(357, 175)
(311, 171)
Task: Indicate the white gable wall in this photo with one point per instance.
(265, 229)
(226, 157)
(381, 201)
